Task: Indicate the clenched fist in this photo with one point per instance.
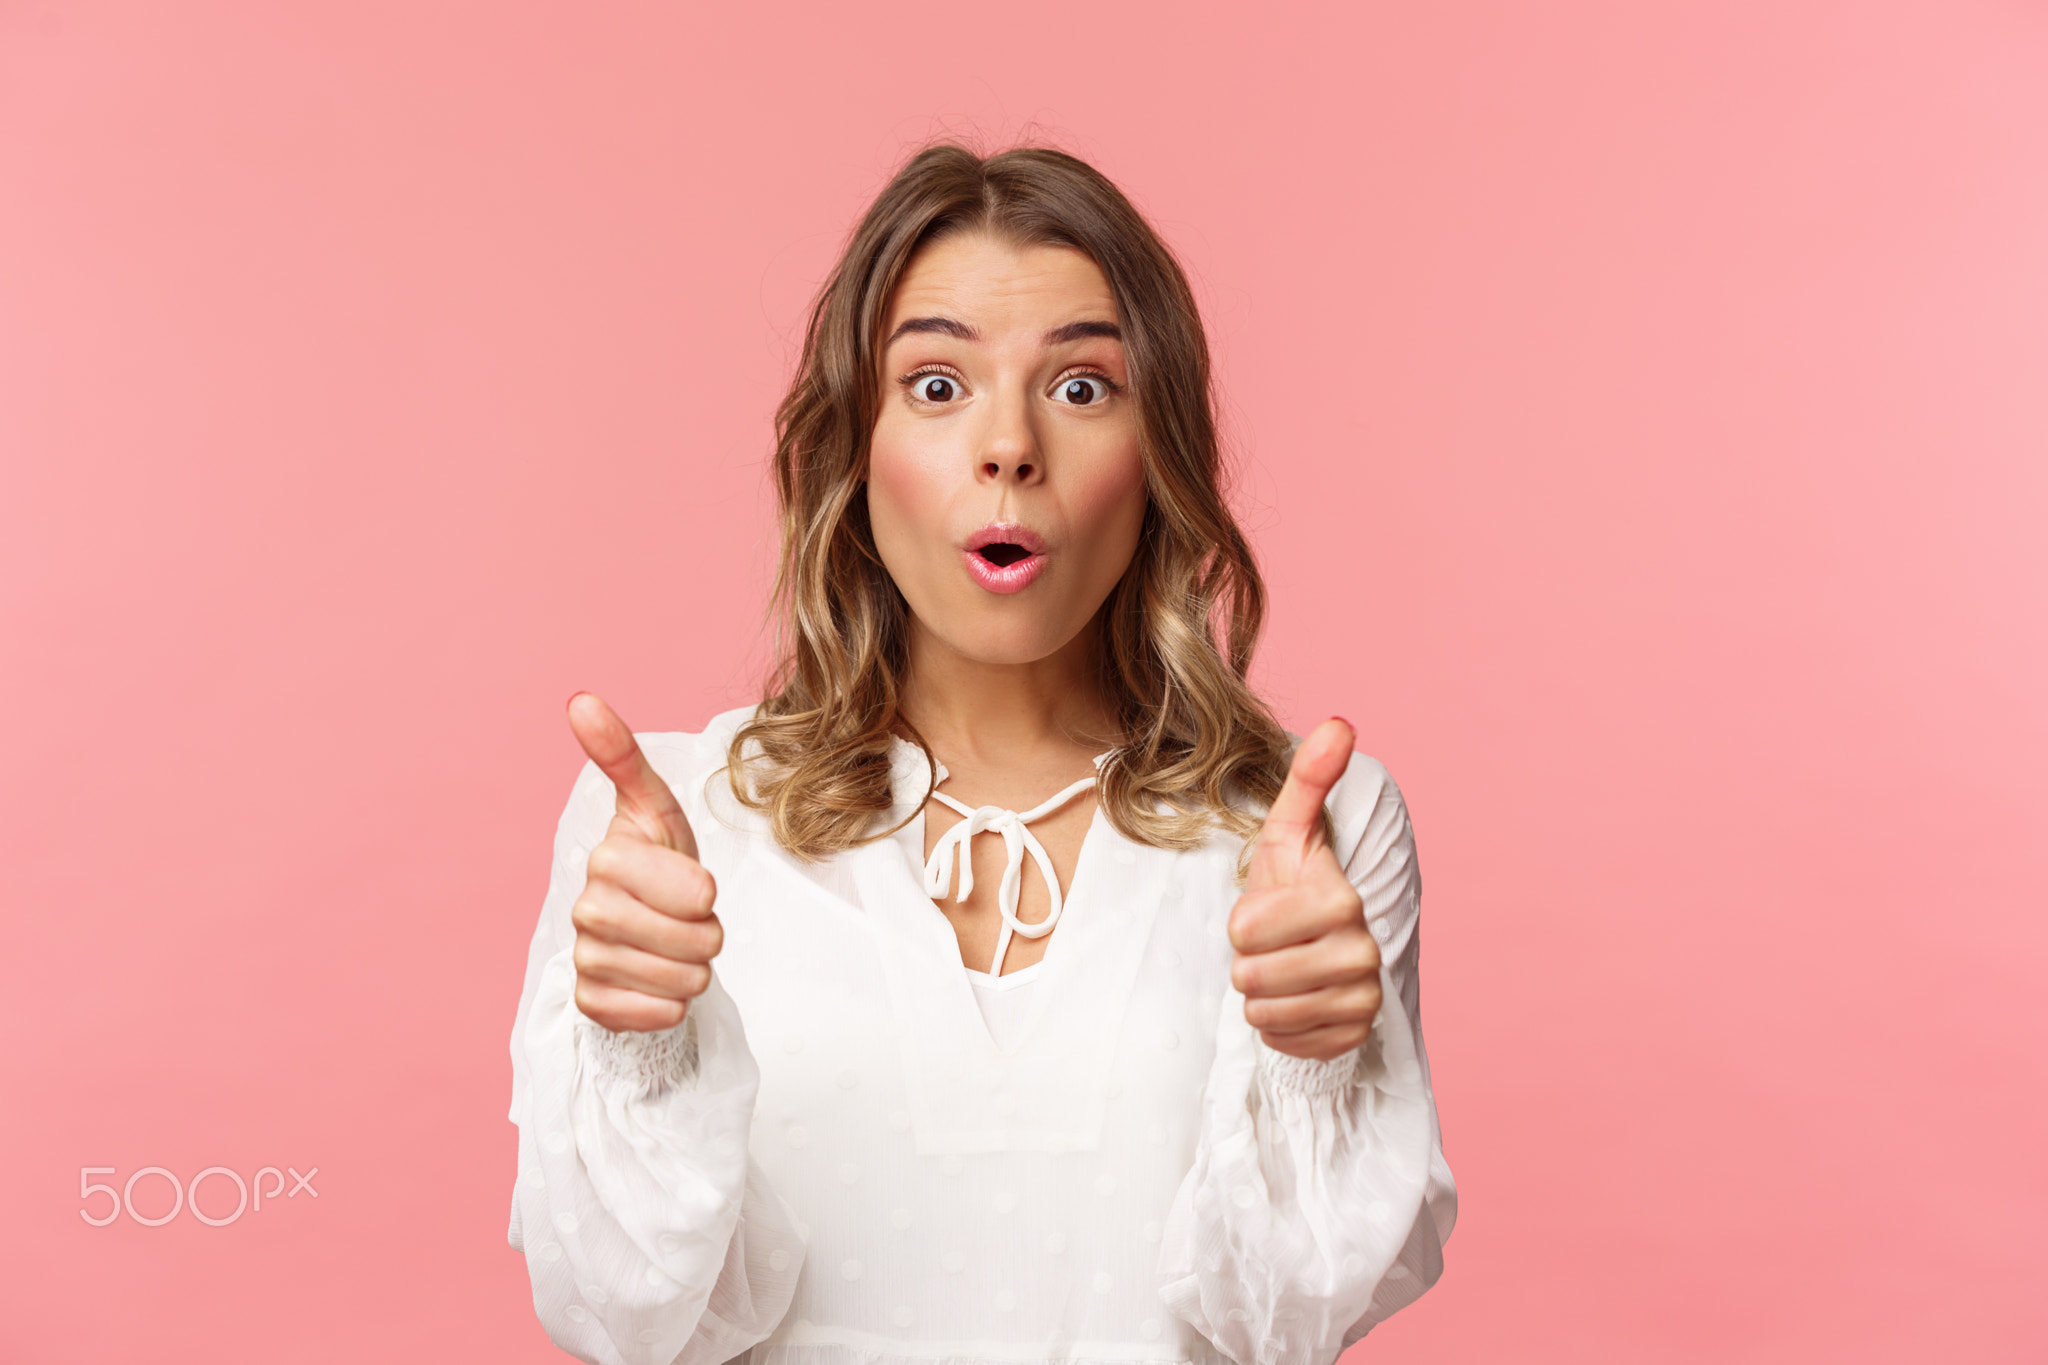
(1307, 965)
(645, 934)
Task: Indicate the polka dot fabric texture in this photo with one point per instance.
(842, 1157)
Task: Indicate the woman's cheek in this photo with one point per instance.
(905, 503)
(1108, 504)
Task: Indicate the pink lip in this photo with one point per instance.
(1008, 577)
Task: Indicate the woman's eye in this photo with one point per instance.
(1082, 390)
(934, 388)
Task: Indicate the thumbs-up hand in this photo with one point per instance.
(1306, 963)
(645, 934)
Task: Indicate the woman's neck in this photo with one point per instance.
(1037, 718)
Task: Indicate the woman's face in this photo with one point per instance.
(1005, 485)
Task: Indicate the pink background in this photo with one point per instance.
(1644, 415)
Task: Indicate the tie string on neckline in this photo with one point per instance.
(1017, 840)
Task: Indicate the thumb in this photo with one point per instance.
(643, 798)
(1293, 830)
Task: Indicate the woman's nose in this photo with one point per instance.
(1009, 449)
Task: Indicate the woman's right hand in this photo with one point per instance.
(645, 934)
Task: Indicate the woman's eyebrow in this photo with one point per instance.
(1074, 331)
(943, 326)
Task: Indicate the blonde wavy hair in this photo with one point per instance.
(1177, 632)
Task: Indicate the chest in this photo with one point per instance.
(861, 1018)
(915, 1151)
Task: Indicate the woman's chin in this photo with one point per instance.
(1004, 644)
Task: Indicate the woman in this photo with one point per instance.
(1138, 1076)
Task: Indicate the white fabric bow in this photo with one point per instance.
(1017, 840)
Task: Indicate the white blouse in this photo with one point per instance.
(1003, 1001)
(854, 1149)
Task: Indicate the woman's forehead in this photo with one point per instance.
(991, 284)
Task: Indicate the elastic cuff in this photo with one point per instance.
(1308, 1075)
(642, 1064)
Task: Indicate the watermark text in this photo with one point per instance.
(101, 1204)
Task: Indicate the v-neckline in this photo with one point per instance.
(1049, 963)
(1049, 1093)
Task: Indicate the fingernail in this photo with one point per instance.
(1345, 721)
(572, 699)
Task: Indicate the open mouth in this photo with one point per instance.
(1003, 553)
(1005, 556)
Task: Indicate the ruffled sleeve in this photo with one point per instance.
(1319, 1200)
(650, 1234)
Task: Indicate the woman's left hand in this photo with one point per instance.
(1306, 963)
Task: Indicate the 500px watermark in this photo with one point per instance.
(186, 1196)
